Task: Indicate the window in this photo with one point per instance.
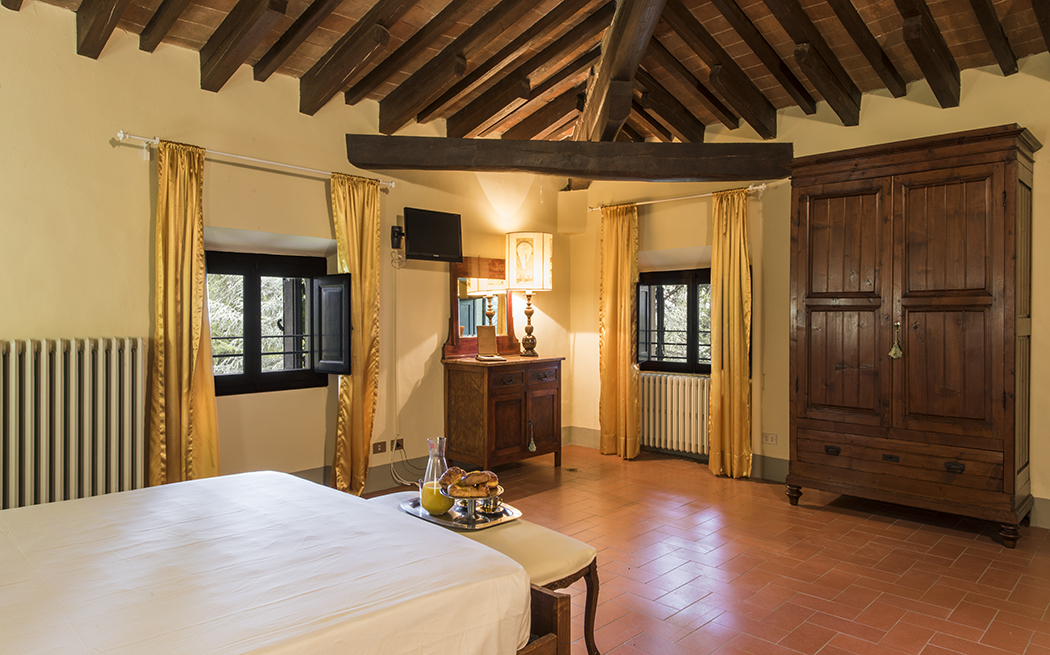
(674, 321)
(277, 322)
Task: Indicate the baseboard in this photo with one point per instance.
(769, 468)
(1040, 516)
(576, 436)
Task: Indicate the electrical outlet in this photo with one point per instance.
(397, 444)
(768, 438)
(378, 447)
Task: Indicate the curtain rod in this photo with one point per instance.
(754, 188)
(152, 141)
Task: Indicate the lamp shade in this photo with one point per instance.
(485, 286)
(529, 261)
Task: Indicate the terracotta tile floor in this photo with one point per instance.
(691, 563)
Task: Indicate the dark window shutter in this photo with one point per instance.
(332, 324)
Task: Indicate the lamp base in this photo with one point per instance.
(528, 342)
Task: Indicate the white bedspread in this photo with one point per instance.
(251, 563)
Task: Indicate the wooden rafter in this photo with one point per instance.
(161, 23)
(548, 118)
(838, 89)
(817, 69)
(490, 70)
(13, 5)
(766, 54)
(675, 116)
(869, 46)
(409, 50)
(349, 56)
(238, 35)
(594, 160)
(927, 45)
(644, 121)
(292, 38)
(402, 105)
(738, 91)
(478, 114)
(96, 20)
(623, 46)
(676, 69)
(993, 32)
(1042, 16)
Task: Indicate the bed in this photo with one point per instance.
(250, 563)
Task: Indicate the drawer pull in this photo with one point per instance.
(955, 467)
(507, 379)
(546, 375)
(832, 450)
(891, 458)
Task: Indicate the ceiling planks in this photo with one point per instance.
(993, 32)
(243, 29)
(293, 37)
(96, 20)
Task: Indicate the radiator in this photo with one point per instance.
(674, 412)
(71, 419)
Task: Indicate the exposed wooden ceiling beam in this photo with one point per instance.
(676, 69)
(404, 102)
(927, 45)
(738, 91)
(1042, 16)
(641, 118)
(243, 29)
(472, 119)
(605, 160)
(623, 46)
(349, 56)
(409, 50)
(800, 28)
(292, 38)
(96, 20)
(160, 24)
(13, 5)
(846, 107)
(549, 117)
(869, 46)
(676, 116)
(485, 72)
(627, 134)
(993, 32)
(766, 54)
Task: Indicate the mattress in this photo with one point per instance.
(250, 563)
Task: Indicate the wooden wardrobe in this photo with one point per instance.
(911, 324)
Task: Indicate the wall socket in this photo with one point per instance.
(769, 438)
(378, 447)
(397, 444)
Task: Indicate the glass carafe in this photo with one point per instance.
(430, 496)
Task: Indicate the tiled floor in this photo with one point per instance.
(694, 564)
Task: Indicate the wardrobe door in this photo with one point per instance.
(951, 275)
(842, 301)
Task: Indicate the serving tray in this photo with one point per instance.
(459, 517)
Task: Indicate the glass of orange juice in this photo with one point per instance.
(432, 500)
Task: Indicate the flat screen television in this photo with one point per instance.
(432, 235)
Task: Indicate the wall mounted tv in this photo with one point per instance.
(433, 236)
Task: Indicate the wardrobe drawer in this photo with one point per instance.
(903, 460)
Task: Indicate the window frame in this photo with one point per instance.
(253, 267)
(692, 279)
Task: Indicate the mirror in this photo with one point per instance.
(467, 312)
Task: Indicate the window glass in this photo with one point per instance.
(703, 305)
(674, 321)
(283, 329)
(226, 314)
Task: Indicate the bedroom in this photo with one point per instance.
(76, 227)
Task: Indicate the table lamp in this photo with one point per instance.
(486, 287)
(529, 270)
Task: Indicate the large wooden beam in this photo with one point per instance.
(993, 32)
(841, 100)
(473, 119)
(238, 35)
(551, 116)
(1042, 16)
(623, 46)
(489, 71)
(409, 50)
(676, 69)
(668, 162)
(800, 28)
(927, 45)
(161, 23)
(349, 56)
(293, 37)
(730, 81)
(415, 93)
(869, 46)
(13, 5)
(96, 20)
(766, 54)
(676, 116)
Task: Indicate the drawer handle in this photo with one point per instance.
(544, 376)
(891, 458)
(832, 450)
(507, 379)
(955, 467)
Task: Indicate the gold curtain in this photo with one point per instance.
(729, 414)
(184, 434)
(355, 215)
(617, 333)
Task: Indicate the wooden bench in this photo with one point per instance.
(552, 560)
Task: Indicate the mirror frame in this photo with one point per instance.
(481, 267)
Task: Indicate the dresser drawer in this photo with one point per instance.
(506, 379)
(543, 375)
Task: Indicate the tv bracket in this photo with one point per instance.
(396, 234)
